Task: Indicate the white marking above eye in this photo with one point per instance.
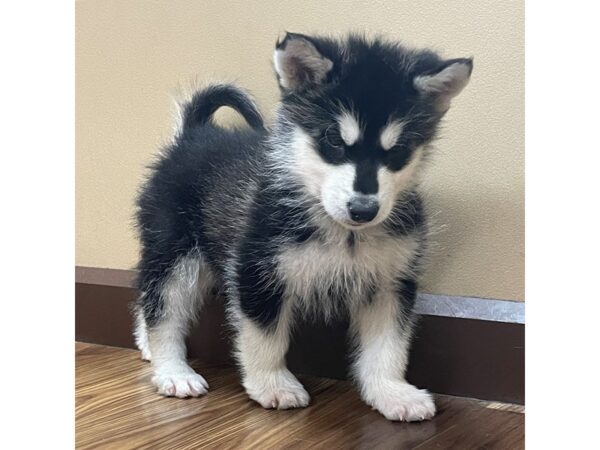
(349, 128)
(390, 134)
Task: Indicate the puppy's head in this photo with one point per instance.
(360, 114)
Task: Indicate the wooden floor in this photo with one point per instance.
(117, 408)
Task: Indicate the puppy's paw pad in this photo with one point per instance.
(406, 404)
(181, 384)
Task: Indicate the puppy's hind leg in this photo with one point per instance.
(141, 335)
(170, 306)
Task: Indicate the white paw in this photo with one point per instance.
(145, 353)
(403, 402)
(277, 390)
(179, 381)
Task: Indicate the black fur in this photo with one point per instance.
(171, 210)
(205, 103)
(407, 293)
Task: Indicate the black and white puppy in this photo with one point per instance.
(317, 217)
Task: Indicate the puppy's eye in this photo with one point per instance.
(333, 138)
(337, 153)
(398, 156)
(336, 146)
(402, 146)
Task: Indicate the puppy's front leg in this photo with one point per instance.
(261, 352)
(383, 332)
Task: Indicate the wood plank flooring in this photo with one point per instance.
(117, 408)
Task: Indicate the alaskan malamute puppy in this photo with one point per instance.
(318, 215)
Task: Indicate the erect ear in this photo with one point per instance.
(299, 64)
(445, 83)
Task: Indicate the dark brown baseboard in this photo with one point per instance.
(465, 357)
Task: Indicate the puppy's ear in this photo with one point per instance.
(298, 63)
(446, 82)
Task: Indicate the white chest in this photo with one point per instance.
(320, 273)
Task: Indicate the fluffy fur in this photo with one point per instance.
(319, 216)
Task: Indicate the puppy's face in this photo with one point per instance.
(361, 115)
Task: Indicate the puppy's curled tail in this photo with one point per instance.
(204, 103)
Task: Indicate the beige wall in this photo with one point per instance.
(132, 55)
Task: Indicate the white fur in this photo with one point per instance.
(392, 184)
(306, 164)
(141, 336)
(261, 354)
(311, 269)
(181, 295)
(337, 189)
(278, 58)
(382, 357)
(349, 128)
(331, 185)
(390, 134)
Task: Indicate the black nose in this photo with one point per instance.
(363, 209)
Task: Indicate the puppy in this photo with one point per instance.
(319, 216)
